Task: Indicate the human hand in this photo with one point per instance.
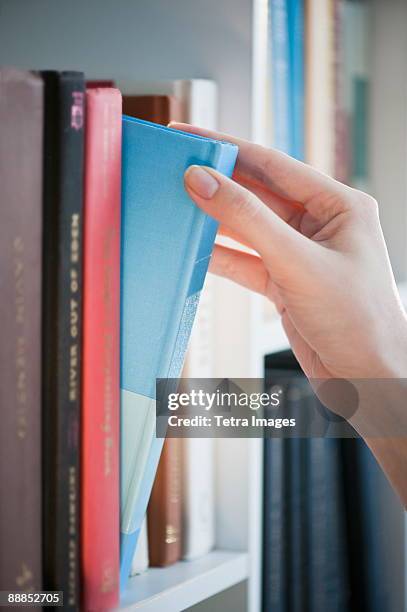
(321, 258)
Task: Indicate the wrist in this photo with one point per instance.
(392, 359)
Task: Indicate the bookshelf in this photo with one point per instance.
(186, 583)
(224, 40)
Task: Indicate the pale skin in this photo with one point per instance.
(320, 256)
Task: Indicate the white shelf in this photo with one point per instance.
(186, 583)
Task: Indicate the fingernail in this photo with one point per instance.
(201, 181)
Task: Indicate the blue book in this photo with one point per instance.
(295, 12)
(166, 247)
(280, 74)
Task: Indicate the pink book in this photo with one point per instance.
(101, 407)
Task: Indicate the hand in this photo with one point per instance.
(321, 258)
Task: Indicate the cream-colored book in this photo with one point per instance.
(320, 85)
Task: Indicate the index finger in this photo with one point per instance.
(282, 174)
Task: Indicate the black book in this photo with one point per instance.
(305, 536)
(275, 595)
(329, 586)
(62, 321)
(275, 527)
(297, 484)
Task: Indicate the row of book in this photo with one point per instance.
(319, 106)
(318, 84)
(103, 257)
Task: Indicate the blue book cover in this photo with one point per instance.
(166, 247)
(295, 13)
(280, 74)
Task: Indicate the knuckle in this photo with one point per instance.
(366, 201)
(246, 205)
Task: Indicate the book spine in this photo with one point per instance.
(96, 84)
(274, 595)
(320, 81)
(21, 125)
(158, 109)
(297, 489)
(62, 343)
(164, 510)
(199, 101)
(327, 555)
(100, 382)
(198, 497)
(360, 92)
(280, 67)
(296, 73)
(278, 504)
(342, 154)
(296, 452)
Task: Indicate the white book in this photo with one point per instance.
(198, 497)
(319, 85)
(199, 99)
(198, 476)
(140, 559)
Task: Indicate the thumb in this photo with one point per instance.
(245, 214)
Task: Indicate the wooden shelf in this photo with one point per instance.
(186, 583)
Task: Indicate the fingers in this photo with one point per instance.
(224, 230)
(284, 175)
(240, 210)
(242, 268)
(289, 210)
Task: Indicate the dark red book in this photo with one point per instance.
(97, 84)
(21, 126)
(100, 373)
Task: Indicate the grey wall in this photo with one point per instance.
(144, 39)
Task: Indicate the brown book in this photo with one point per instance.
(165, 510)
(158, 109)
(21, 128)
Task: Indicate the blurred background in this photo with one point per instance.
(325, 81)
